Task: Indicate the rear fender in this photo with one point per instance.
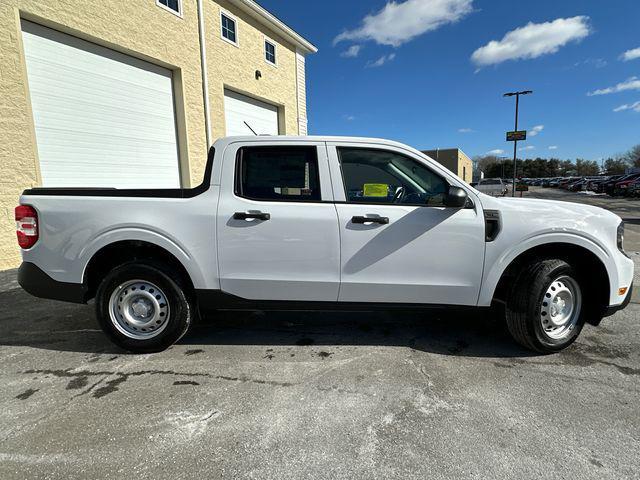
(143, 235)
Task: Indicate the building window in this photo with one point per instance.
(229, 28)
(284, 174)
(174, 6)
(270, 52)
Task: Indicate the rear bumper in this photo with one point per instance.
(37, 283)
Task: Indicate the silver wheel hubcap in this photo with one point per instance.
(139, 309)
(560, 309)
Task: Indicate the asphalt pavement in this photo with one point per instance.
(318, 395)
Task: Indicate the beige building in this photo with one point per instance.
(116, 93)
(455, 160)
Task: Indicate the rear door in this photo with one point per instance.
(277, 227)
(400, 244)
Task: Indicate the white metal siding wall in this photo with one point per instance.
(302, 93)
(102, 118)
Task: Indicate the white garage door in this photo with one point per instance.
(260, 116)
(102, 118)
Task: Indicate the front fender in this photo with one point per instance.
(497, 261)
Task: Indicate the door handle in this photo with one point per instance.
(363, 220)
(248, 215)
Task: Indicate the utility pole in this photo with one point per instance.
(515, 142)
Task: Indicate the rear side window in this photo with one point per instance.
(286, 174)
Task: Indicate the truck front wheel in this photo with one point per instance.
(545, 307)
(142, 309)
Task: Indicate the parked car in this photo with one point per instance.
(595, 184)
(555, 183)
(577, 186)
(609, 186)
(620, 188)
(492, 186)
(320, 223)
(551, 182)
(600, 187)
(634, 189)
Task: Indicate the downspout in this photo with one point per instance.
(205, 76)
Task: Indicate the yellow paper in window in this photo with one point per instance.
(375, 189)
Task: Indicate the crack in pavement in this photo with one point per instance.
(79, 378)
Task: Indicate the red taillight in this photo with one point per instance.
(26, 226)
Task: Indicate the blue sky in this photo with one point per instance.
(429, 89)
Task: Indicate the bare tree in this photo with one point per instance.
(633, 156)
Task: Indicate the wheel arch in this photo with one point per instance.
(122, 251)
(587, 262)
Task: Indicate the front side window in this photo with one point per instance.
(229, 28)
(270, 52)
(278, 174)
(174, 6)
(382, 176)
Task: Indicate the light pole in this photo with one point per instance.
(515, 143)
(503, 160)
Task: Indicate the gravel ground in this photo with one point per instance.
(318, 395)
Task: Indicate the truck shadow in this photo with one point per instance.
(49, 325)
(396, 236)
(434, 331)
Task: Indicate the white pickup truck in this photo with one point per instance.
(320, 223)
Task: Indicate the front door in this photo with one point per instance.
(277, 240)
(399, 243)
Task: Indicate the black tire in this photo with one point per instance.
(525, 300)
(180, 310)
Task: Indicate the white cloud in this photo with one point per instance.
(398, 23)
(628, 106)
(528, 147)
(497, 151)
(594, 62)
(532, 41)
(630, 55)
(553, 147)
(349, 118)
(465, 130)
(632, 83)
(535, 130)
(352, 52)
(381, 61)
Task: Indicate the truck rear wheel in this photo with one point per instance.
(142, 309)
(545, 308)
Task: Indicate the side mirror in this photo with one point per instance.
(456, 197)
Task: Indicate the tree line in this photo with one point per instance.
(494, 166)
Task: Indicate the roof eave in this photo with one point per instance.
(268, 19)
